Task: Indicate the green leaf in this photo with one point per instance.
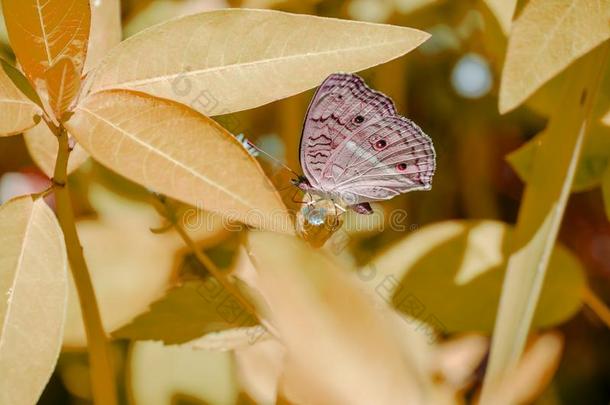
(187, 312)
(453, 276)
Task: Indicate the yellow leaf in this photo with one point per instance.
(307, 291)
(105, 31)
(503, 10)
(47, 36)
(591, 165)
(230, 60)
(259, 367)
(33, 266)
(540, 215)
(547, 37)
(17, 112)
(176, 151)
(452, 276)
(533, 373)
(42, 146)
(159, 374)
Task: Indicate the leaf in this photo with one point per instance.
(62, 84)
(158, 374)
(105, 31)
(229, 339)
(42, 146)
(224, 61)
(547, 37)
(452, 277)
(140, 269)
(187, 312)
(33, 266)
(17, 111)
(174, 150)
(259, 368)
(540, 215)
(534, 372)
(591, 165)
(49, 39)
(503, 10)
(307, 291)
(160, 11)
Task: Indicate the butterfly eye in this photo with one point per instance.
(359, 119)
(380, 144)
(401, 167)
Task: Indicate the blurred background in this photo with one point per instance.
(449, 87)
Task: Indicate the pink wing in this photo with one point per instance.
(354, 145)
(331, 118)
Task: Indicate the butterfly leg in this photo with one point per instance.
(362, 208)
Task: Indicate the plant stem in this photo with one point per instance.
(597, 305)
(102, 376)
(168, 213)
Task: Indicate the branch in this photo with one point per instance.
(167, 211)
(102, 375)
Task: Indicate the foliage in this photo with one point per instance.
(189, 280)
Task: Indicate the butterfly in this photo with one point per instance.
(356, 149)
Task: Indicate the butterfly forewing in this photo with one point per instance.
(335, 112)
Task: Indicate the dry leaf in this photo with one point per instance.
(42, 146)
(176, 151)
(33, 266)
(17, 112)
(307, 292)
(157, 374)
(47, 37)
(105, 31)
(230, 60)
(547, 37)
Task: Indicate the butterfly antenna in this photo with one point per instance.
(253, 146)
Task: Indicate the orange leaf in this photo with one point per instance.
(45, 35)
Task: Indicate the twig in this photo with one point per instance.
(102, 375)
(167, 211)
(597, 305)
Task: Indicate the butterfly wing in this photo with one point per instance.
(388, 157)
(334, 115)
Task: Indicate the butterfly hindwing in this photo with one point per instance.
(354, 145)
(389, 157)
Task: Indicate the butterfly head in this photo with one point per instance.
(302, 183)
